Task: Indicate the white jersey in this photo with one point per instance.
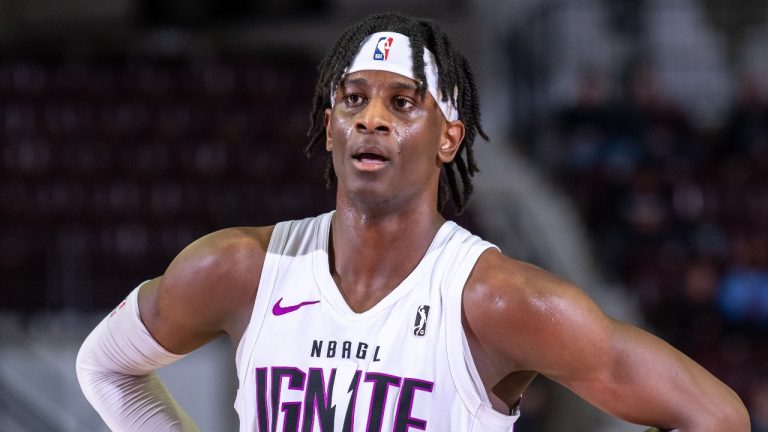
(309, 363)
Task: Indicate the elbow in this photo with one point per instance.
(736, 415)
(81, 363)
(725, 414)
(731, 417)
(739, 417)
(93, 367)
(80, 371)
(85, 369)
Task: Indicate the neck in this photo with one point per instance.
(372, 252)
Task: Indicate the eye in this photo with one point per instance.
(403, 103)
(353, 99)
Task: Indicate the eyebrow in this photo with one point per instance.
(397, 85)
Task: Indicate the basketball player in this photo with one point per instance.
(381, 315)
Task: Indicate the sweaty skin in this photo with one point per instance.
(388, 143)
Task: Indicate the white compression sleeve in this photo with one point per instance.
(115, 368)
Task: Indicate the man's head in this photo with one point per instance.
(440, 70)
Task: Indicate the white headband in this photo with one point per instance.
(390, 51)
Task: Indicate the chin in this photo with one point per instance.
(370, 199)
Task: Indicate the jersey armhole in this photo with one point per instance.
(277, 243)
(462, 366)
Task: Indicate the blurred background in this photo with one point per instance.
(628, 153)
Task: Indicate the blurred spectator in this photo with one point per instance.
(747, 126)
(744, 290)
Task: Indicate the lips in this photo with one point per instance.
(370, 158)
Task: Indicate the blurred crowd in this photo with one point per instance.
(679, 215)
(111, 163)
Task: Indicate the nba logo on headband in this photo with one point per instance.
(382, 48)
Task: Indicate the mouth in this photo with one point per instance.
(369, 161)
(369, 157)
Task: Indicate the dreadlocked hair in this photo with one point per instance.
(454, 72)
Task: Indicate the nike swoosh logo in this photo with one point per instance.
(278, 310)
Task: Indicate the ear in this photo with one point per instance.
(452, 136)
(328, 137)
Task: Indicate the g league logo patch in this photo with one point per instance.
(382, 48)
(420, 325)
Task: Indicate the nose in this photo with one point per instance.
(375, 118)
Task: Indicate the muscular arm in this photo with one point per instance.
(208, 290)
(553, 328)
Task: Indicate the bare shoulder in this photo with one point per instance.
(207, 290)
(227, 253)
(499, 284)
(509, 303)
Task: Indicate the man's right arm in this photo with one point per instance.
(208, 290)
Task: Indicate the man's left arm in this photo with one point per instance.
(555, 329)
(642, 379)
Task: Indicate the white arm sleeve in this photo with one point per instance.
(115, 368)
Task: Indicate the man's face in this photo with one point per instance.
(387, 141)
